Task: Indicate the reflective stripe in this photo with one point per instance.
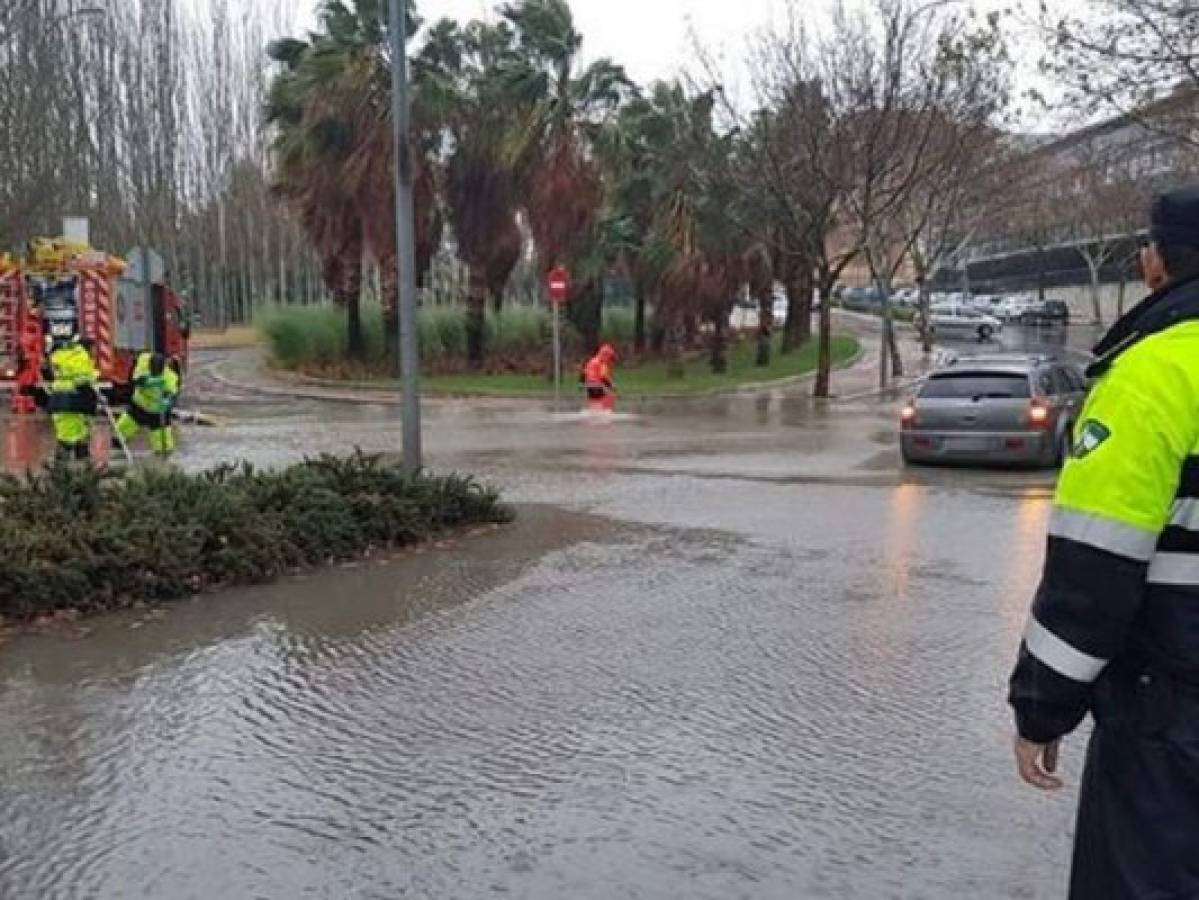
(1060, 656)
(1186, 514)
(1174, 568)
(1105, 534)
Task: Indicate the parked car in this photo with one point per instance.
(1051, 312)
(992, 410)
(861, 295)
(962, 321)
(1012, 308)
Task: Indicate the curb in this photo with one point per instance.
(939, 357)
(340, 392)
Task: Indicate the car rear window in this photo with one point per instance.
(969, 385)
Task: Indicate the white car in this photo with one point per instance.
(1011, 309)
(958, 321)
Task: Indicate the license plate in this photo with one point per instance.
(967, 445)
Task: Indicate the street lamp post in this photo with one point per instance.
(405, 249)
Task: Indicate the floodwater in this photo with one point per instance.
(730, 650)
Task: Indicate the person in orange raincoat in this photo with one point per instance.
(597, 379)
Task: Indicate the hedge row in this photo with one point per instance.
(74, 540)
(300, 336)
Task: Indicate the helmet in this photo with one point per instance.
(157, 364)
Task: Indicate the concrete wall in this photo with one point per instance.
(1081, 308)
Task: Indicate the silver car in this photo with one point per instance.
(1003, 410)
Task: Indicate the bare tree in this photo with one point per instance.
(1137, 58)
(1101, 207)
(139, 119)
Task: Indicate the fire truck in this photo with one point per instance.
(62, 289)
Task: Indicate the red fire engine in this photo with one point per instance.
(61, 290)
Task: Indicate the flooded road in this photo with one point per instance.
(730, 650)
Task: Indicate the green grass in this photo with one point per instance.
(653, 379)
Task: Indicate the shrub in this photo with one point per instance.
(618, 326)
(518, 329)
(75, 541)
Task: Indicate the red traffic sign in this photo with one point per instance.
(559, 284)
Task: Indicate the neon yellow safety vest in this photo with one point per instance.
(153, 393)
(1121, 577)
(72, 368)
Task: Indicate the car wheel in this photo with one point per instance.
(985, 333)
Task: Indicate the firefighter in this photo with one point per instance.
(1114, 628)
(72, 380)
(597, 379)
(155, 391)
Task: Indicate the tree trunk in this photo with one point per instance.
(476, 314)
(1096, 303)
(389, 298)
(719, 358)
(639, 317)
(657, 339)
(349, 295)
(806, 285)
(896, 357)
(798, 329)
(672, 338)
(791, 326)
(891, 363)
(765, 329)
(585, 312)
(926, 331)
(824, 361)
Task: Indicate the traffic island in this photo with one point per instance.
(652, 377)
(78, 543)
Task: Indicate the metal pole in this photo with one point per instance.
(557, 355)
(405, 247)
(223, 295)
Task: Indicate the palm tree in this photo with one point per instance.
(331, 105)
(561, 111)
(310, 141)
(671, 183)
(459, 73)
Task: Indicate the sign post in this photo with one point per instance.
(559, 288)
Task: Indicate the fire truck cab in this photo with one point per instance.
(61, 290)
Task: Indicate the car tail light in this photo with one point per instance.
(1038, 414)
(907, 416)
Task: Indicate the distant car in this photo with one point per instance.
(994, 410)
(1051, 312)
(1012, 308)
(779, 310)
(960, 321)
(861, 296)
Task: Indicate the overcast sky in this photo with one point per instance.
(652, 38)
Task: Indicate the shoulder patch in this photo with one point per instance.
(1090, 437)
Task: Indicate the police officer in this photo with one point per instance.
(155, 391)
(1114, 628)
(72, 381)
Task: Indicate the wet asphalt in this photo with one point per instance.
(730, 649)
